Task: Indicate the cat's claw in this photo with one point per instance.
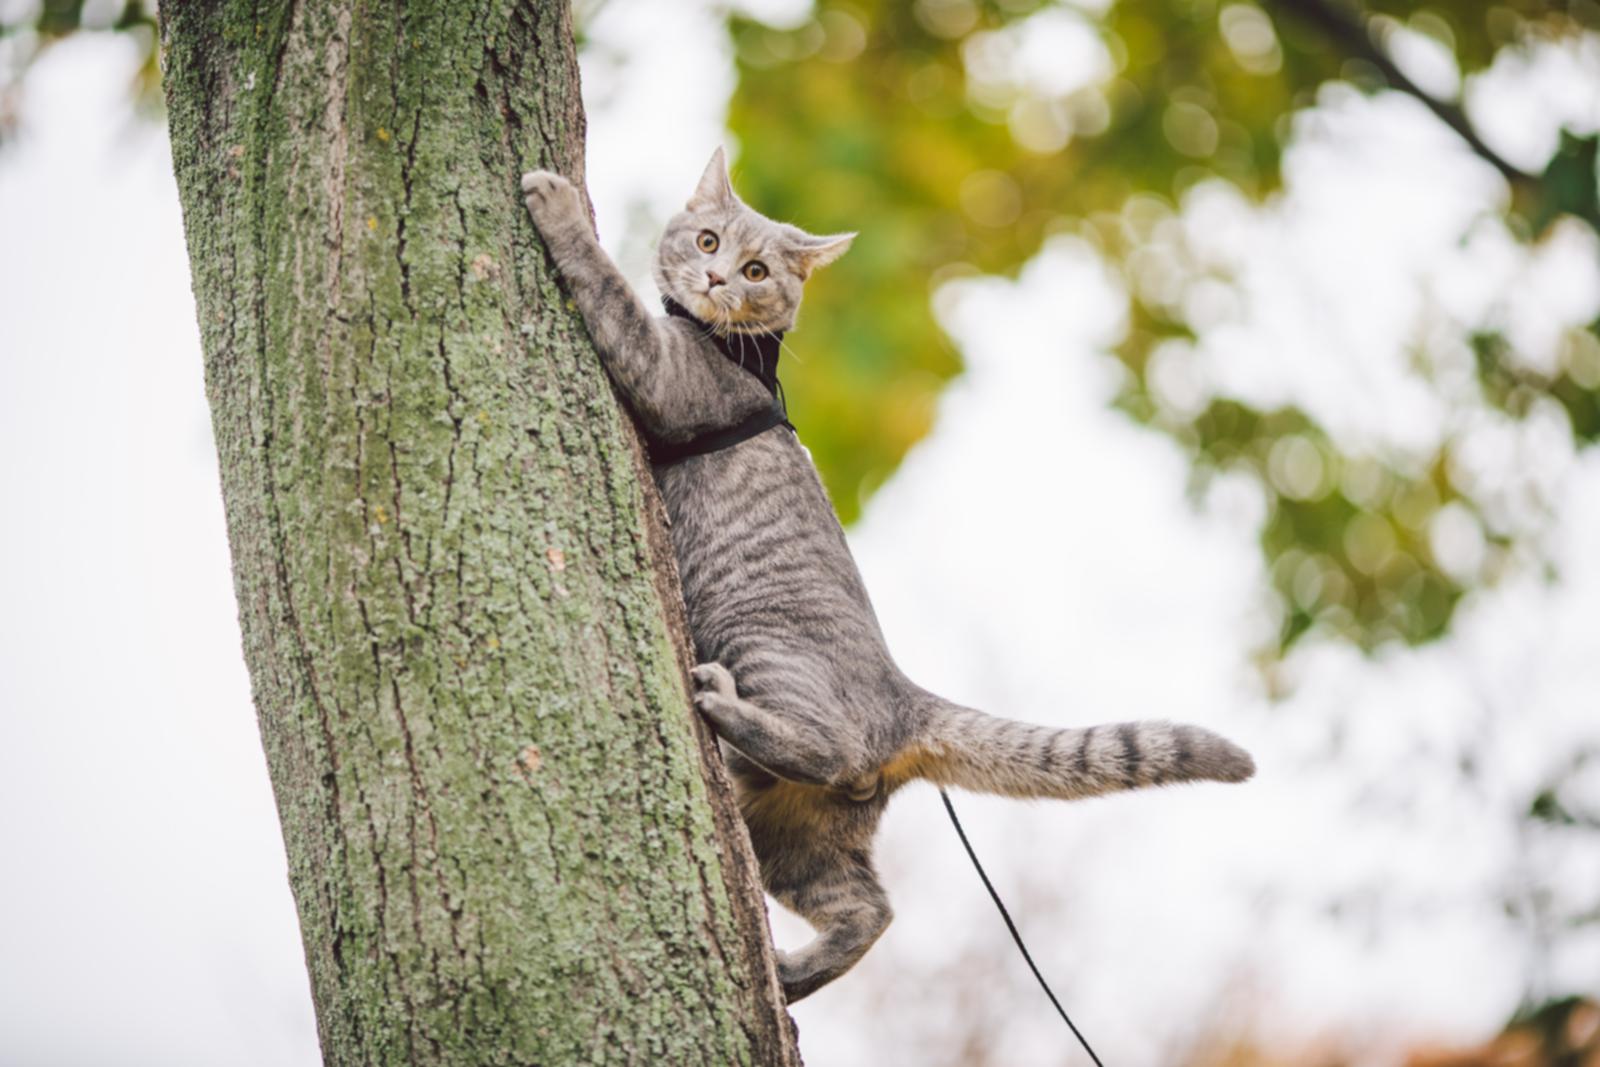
(550, 197)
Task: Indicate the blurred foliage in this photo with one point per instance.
(932, 127)
(27, 29)
(1560, 1033)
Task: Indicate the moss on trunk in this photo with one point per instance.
(509, 841)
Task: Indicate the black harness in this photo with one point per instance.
(758, 355)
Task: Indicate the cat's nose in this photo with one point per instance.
(715, 279)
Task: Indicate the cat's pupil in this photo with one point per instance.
(755, 270)
(708, 241)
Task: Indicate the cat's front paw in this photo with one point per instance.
(551, 199)
(713, 687)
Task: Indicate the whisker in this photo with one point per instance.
(782, 347)
(709, 331)
(727, 317)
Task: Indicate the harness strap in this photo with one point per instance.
(666, 453)
(760, 350)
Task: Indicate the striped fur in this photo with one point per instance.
(976, 751)
(819, 725)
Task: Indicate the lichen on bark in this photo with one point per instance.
(508, 839)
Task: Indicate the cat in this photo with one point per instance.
(819, 726)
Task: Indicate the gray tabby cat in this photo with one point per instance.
(820, 727)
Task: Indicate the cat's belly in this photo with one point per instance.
(770, 586)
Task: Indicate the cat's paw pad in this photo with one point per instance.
(712, 682)
(550, 197)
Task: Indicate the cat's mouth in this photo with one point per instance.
(721, 311)
(707, 307)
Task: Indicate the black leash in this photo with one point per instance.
(1015, 936)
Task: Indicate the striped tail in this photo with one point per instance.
(972, 750)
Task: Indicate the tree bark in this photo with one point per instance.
(509, 840)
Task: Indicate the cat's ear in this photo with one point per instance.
(812, 252)
(714, 190)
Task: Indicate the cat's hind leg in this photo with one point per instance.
(843, 901)
(788, 746)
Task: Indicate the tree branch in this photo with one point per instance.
(1351, 32)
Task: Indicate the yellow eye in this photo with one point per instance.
(707, 241)
(755, 270)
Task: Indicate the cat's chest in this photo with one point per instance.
(739, 515)
(716, 503)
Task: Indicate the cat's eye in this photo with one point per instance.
(706, 242)
(755, 270)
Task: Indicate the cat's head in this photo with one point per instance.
(733, 268)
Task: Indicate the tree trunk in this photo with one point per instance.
(509, 840)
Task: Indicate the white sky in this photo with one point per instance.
(1036, 557)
